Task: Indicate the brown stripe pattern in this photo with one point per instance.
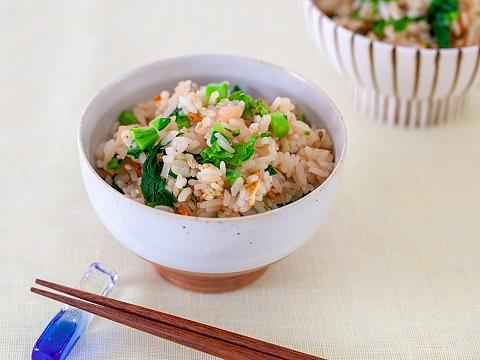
(436, 111)
(429, 89)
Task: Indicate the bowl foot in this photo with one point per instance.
(209, 283)
(407, 113)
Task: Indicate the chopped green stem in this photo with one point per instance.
(144, 137)
(279, 124)
(221, 88)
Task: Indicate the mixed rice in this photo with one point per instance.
(211, 152)
(420, 23)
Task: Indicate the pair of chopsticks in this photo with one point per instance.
(205, 338)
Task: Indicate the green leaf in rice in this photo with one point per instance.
(114, 164)
(355, 15)
(126, 117)
(217, 127)
(252, 107)
(160, 123)
(181, 119)
(152, 184)
(271, 170)
(215, 154)
(266, 134)
(265, 204)
(182, 122)
(247, 100)
(232, 175)
(243, 151)
(234, 132)
(440, 15)
(134, 151)
(144, 137)
(261, 108)
(303, 118)
(172, 174)
(398, 25)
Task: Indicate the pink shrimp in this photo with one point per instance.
(230, 112)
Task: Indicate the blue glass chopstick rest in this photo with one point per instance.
(69, 323)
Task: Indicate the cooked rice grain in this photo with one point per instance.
(301, 160)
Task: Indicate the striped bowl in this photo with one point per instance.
(397, 85)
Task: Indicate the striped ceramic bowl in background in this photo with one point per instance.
(397, 85)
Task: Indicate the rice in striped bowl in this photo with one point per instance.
(419, 23)
(211, 152)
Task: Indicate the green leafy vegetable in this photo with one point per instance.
(152, 185)
(266, 134)
(260, 107)
(374, 5)
(399, 25)
(301, 117)
(126, 117)
(234, 132)
(172, 174)
(355, 15)
(279, 124)
(265, 204)
(243, 151)
(144, 137)
(114, 164)
(217, 127)
(247, 100)
(181, 119)
(232, 175)
(160, 123)
(271, 170)
(216, 154)
(221, 88)
(440, 15)
(134, 151)
(236, 87)
(252, 107)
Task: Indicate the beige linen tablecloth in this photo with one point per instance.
(394, 273)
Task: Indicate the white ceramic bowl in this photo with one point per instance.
(397, 85)
(202, 245)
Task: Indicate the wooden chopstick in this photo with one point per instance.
(186, 324)
(168, 332)
(209, 339)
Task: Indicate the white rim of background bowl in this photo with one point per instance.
(133, 72)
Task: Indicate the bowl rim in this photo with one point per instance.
(374, 41)
(136, 70)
